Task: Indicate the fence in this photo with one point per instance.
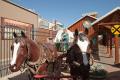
(6, 40)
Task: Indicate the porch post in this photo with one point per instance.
(116, 49)
(97, 30)
(110, 55)
(108, 44)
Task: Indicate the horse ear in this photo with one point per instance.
(15, 35)
(86, 31)
(76, 32)
(23, 34)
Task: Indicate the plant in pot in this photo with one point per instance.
(98, 72)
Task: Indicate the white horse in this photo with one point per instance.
(64, 39)
(58, 37)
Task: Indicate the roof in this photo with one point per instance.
(20, 6)
(90, 13)
(106, 15)
(81, 19)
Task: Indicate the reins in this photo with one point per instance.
(33, 66)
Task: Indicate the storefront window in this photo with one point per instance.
(9, 26)
(7, 32)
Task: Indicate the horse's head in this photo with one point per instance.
(81, 40)
(19, 50)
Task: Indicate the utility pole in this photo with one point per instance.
(54, 28)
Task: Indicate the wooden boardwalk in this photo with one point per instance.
(108, 63)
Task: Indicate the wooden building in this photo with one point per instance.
(103, 27)
(84, 22)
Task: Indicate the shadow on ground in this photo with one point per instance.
(116, 65)
(114, 76)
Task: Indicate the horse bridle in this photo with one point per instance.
(27, 61)
(27, 58)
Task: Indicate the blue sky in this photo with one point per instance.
(68, 11)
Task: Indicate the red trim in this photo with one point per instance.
(39, 76)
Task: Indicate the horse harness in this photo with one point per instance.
(33, 66)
